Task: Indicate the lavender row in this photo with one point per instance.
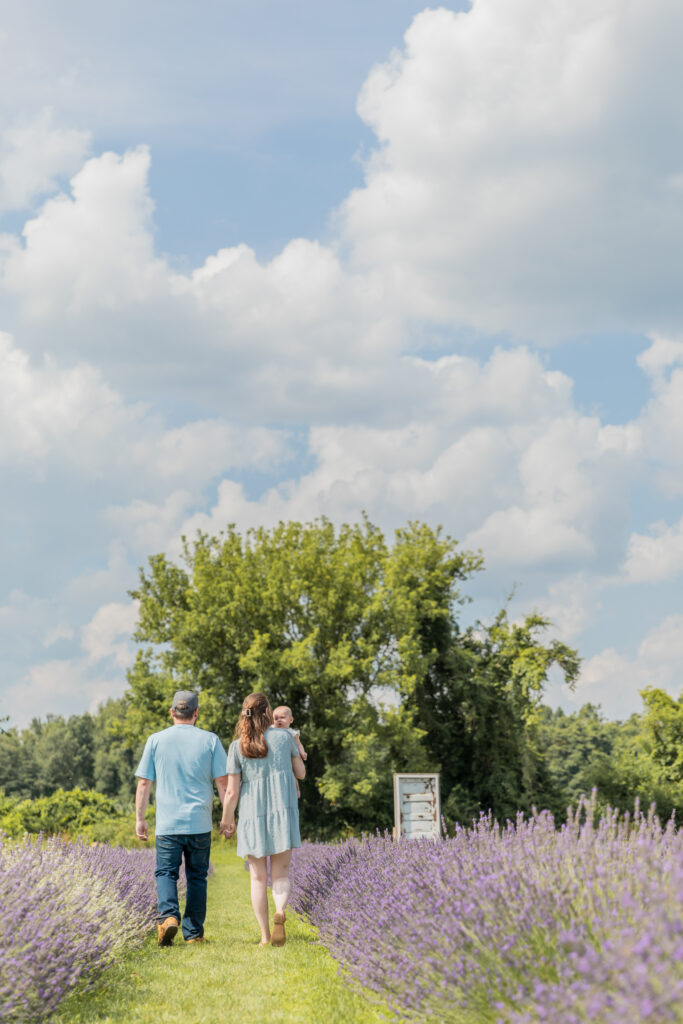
(517, 925)
(68, 911)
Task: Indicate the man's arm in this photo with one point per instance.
(141, 802)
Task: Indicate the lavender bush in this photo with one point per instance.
(67, 911)
(509, 926)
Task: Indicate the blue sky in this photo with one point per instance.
(280, 261)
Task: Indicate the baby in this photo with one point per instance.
(282, 719)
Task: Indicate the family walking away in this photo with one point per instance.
(259, 774)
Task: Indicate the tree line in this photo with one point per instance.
(363, 640)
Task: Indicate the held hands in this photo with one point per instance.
(141, 830)
(227, 828)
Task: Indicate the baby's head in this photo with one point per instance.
(282, 717)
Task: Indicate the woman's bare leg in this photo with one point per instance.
(279, 874)
(258, 869)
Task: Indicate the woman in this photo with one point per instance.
(260, 777)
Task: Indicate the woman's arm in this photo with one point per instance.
(298, 767)
(232, 795)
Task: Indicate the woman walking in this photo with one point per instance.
(262, 765)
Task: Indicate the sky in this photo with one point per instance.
(266, 261)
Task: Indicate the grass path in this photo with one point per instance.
(228, 979)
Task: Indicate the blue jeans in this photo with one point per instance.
(170, 851)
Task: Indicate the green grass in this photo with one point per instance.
(229, 979)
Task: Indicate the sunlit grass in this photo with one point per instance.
(228, 979)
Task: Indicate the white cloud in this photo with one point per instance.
(521, 184)
(657, 556)
(64, 686)
(663, 647)
(148, 527)
(571, 495)
(522, 180)
(34, 155)
(614, 680)
(92, 251)
(661, 354)
(108, 634)
(57, 633)
(496, 453)
(661, 420)
(570, 603)
(50, 415)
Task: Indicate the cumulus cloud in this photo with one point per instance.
(108, 634)
(91, 249)
(65, 686)
(34, 156)
(497, 453)
(614, 679)
(662, 418)
(50, 414)
(522, 182)
(570, 603)
(657, 556)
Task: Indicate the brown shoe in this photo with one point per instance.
(277, 936)
(197, 938)
(166, 931)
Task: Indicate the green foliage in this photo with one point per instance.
(328, 622)
(363, 640)
(81, 752)
(663, 725)
(582, 751)
(62, 811)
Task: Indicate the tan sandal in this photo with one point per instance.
(278, 936)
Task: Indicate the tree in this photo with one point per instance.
(480, 705)
(624, 761)
(663, 724)
(329, 622)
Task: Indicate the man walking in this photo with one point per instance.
(185, 762)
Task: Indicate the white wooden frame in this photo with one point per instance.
(430, 815)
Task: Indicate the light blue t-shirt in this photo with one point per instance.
(184, 760)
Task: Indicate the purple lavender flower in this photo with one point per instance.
(520, 924)
(68, 911)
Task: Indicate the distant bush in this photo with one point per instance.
(76, 812)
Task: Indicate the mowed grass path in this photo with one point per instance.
(228, 979)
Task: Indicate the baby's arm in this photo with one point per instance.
(302, 753)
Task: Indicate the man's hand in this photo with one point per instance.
(141, 830)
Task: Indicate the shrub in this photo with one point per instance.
(64, 811)
(513, 925)
(68, 911)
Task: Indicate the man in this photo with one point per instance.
(185, 761)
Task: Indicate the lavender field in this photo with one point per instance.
(68, 911)
(517, 925)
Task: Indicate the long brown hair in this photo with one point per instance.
(255, 718)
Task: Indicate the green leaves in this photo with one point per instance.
(323, 620)
(663, 723)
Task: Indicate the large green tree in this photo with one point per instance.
(362, 640)
(325, 621)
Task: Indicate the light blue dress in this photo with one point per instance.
(268, 808)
